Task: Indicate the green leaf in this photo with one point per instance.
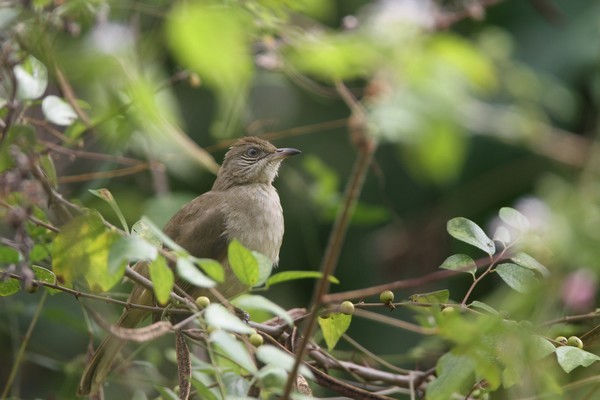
(233, 349)
(142, 229)
(107, 196)
(225, 63)
(483, 306)
(570, 357)
(162, 278)
(58, 111)
(334, 327)
(220, 317)
(126, 249)
(540, 347)
(45, 275)
(145, 227)
(9, 287)
(455, 373)
(439, 296)
(502, 235)
(526, 261)
(265, 267)
(469, 232)
(32, 78)
(243, 263)
(515, 276)
(81, 250)
(256, 302)
(460, 261)
(189, 272)
(514, 218)
(9, 255)
(293, 275)
(271, 355)
(212, 268)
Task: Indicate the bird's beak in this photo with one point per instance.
(285, 152)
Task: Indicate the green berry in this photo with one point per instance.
(561, 339)
(256, 340)
(347, 308)
(387, 296)
(448, 310)
(202, 301)
(575, 342)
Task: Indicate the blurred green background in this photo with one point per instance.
(499, 108)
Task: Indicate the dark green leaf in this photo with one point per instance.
(570, 357)
(517, 277)
(9, 287)
(162, 278)
(439, 296)
(334, 327)
(45, 275)
(293, 275)
(243, 263)
(460, 261)
(469, 232)
(9, 255)
(455, 373)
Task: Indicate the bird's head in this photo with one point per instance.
(251, 160)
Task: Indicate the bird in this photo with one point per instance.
(242, 204)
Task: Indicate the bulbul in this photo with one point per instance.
(242, 205)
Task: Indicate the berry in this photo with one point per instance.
(561, 339)
(386, 296)
(575, 342)
(256, 340)
(202, 301)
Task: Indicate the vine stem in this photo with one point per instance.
(489, 269)
(24, 343)
(366, 148)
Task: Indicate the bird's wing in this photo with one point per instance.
(198, 227)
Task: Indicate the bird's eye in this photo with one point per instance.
(252, 152)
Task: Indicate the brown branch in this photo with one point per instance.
(33, 219)
(105, 174)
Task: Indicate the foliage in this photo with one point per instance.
(105, 103)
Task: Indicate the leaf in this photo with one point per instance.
(107, 196)
(58, 111)
(233, 349)
(220, 317)
(45, 275)
(162, 278)
(526, 261)
(439, 296)
(212, 268)
(142, 229)
(243, 263)
(334, 327)
(540, 347)
(515, 276)
(147, 227)
(265, 267)
(570, 357)
(469, 232)
(502, 235)
(249, 301)
(271, 355)
(483, 306)
(32, 78)
(9, 255)
(126, 249)
(189, 272)
(454, 374)
(514, 218)
(9, 287)
(293, 275)
(81, 250)
(460, 262)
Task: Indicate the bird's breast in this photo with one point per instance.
(255, 218)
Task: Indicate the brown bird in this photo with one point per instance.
(242, 205)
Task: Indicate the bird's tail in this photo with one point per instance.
(99, 366)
